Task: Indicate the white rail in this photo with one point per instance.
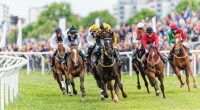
(128, 54)
(9, 71)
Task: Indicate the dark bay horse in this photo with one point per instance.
(155, 68)
(58, 70)
(93, 70)
(75, 68)
(181, 61)
(137, 67)
(107, 70)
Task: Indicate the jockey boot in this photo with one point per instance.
(83, 56)
(162, 57)
(97, 54)
(89, 52)
(135, 56)
(65, 58)
(188, 50)
(117, 55)
(53, 58)
(171, 54)
(144, 62)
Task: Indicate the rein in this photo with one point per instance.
(111, 65)
(151, 63)
(179, 50)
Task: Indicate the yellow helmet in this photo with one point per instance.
(105, 27)
(94, 27)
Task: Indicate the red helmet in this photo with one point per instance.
(173, 26)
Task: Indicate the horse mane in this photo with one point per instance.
(151, 46)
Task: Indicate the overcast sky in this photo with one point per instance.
(81, 7)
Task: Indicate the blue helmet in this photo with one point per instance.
(58, 29)
(149, 30)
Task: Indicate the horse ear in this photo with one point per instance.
(69, 46)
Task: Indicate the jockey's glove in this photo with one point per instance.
(99, 48)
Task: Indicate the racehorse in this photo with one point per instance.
(137, 67)
(107, 70)
(93, 70)
(181, 61)
(155, 68)
(75, 68)
(58, 70)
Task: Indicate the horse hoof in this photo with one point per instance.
(70, 94)
(125, 95)
(138, 87)
(116, 99)
(157, 93)
(102, 97)
(106, 96)
(83, 99)
(75, 93)
(195, 86)
(181, 86)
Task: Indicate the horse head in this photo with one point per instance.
(108, 47)
(153, 56)
(178, 43)
(61, 50)
(74, 54)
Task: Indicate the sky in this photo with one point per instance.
(81, 7)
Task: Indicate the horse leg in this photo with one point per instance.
(156, 86)
(187, 79)
(116, 96)
(57, 79)
(69, 77)
(117, 79)
(73, 86)
(61, 80)
(138, 80)
(144, 78)
(104, 90)
(82, 85)
(177, 72)
(110, 87)
(161, 77)
(191, 73)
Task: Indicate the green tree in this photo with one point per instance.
(184, 4)
(48, 21)
(104, 16)
(144, 13)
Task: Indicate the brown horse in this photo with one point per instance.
(181, 61)
(107, 71)
(75, 68)
(58, 70)
(137, 67)
(155, 68)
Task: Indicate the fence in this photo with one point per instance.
(127, 54)
(9, 71)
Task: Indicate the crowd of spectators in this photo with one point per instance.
(190, 24)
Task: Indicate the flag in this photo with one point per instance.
(3, 37)
(187, 13)
(97, 21)
(19, 36)
(154, 23)
(62, 24)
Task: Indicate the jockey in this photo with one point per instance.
(57, 37)
(91, 38)
(138, 33)
(72, 38)
(104, 30)
(175, 30)
(148, 38)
